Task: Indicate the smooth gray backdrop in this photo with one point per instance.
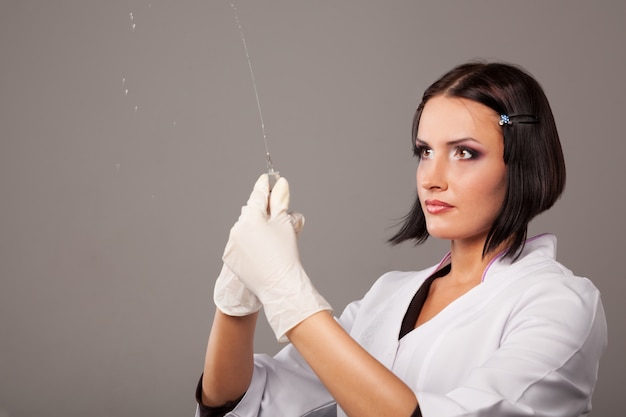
(129, 138)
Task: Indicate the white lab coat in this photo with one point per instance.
(525, 342)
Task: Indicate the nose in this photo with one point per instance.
(431, 174)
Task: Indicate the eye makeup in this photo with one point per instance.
(458, 149)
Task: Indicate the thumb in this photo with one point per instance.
(279, 198)
(260, 192)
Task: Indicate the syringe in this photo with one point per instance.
(272, 175)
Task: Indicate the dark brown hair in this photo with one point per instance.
(532, 150)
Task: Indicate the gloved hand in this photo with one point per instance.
(231, 295)
(262, 251)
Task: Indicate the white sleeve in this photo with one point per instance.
(546, 364)
(285, 385)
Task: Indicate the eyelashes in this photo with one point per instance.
(461, 153)
(464, 153)
(418, 151)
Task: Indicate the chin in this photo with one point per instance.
(443, 235)
(451, 232)
(454, 235)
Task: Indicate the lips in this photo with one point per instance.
(437, 206)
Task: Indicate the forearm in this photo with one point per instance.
(229, 361)
(357, 381)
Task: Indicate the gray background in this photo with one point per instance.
(115, 206)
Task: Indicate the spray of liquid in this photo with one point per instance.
(270, 166)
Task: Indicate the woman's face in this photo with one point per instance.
(461, 176)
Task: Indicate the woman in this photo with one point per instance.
(497, 328)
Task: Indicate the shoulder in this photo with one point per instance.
(547, 282)
(549, 296)
(538, 270)
(536, 288)
(558, 307)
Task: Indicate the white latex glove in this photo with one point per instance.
(231, 296)
(262, 251)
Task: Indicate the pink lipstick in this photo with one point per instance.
(437, 207)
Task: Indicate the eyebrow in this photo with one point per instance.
(449, 143)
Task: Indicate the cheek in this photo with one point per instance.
(500, 186)
(494, 196)
(486, 189)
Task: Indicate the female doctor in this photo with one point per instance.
(497, 328)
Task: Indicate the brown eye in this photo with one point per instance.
(423, 152)
(464, 153)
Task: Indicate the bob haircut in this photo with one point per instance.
(532, 150)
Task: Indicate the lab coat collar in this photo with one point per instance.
(542, 245)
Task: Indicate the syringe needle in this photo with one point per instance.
(272, 175)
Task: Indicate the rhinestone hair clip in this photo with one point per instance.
(506, 119)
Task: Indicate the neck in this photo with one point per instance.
(468, 263)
